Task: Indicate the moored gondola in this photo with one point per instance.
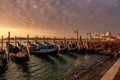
(73, 47)
(63, 48)
(48, 50)
(42, 49)
(19, 54)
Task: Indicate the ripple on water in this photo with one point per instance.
(50, 67)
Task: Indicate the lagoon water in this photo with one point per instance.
(50, 67)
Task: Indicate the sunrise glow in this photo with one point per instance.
(23, 32)
(16, 32)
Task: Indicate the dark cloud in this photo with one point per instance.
(62, 15)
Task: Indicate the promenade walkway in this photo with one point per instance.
(112, 72)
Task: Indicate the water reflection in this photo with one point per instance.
(46, 59)
(87, 57)
(2, 73)
(59, 58)
(70, 55)
(50, 67)
(77, 62)
(25, 70)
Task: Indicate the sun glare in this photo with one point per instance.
(20, 32)
(4, 31)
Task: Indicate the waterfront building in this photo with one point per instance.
(104, 36)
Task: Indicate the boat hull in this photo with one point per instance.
(64, 50)
(73, 49)
(90, 50)
(81, 50)
(20, 58)
(54, 52)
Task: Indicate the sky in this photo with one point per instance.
(59, 18)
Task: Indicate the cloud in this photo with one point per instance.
(61, 15)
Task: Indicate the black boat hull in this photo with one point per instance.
(73, 50)
(54, 52)
(81, 50)
(64, 50)
(21, 59)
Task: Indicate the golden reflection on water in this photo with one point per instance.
(86, 57)
(78, 61)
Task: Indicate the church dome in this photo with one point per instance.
(108, 34)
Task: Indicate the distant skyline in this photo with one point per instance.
(59, 18)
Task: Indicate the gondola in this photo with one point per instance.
(42, 49)
(3, 58)
(47, 50)
(19, 53)
(63, 48)
(22, 53)
(73, 48)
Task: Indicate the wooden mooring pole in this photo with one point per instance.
(2, 42)
(8, 44)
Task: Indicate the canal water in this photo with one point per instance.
(50, 67)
